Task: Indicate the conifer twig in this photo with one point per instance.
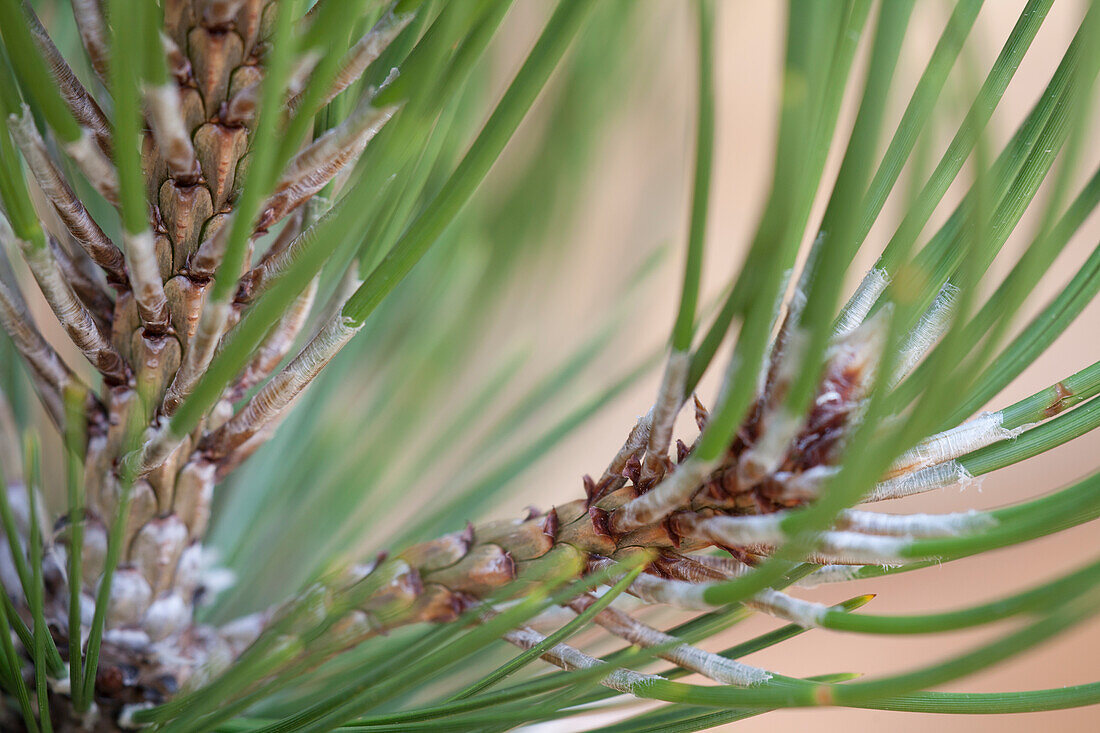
(361, 55)
(93, 34)
(73, 215)
(85, 110)
(73, 315)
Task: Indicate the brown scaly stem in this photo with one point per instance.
(441, 577)
(438, 580)
(194, 149)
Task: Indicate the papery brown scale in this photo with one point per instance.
(178, 19)
(219, 148)
(484, 569)
(268, 217)
(155, 360)
(582, 534)
(143, 507)
(651, 535)
(438, 604)
(652, 569)
(98, 461)
(191, 108)
(762, 503)
(711, 495)
(616, 499)
(702, 416)
(601, 489)
(184, 209)
(91, 276)
(244, 97)
(248, 23)
(601, 521)
(550, 524)
(208, 256)
(123, 324)
(632, 471)
(681, 523)
(185, 298)
(111, 366)
(402, 591)
(214, 54)
(194, 491)
(437, 554)
(589, 488)
(683, 450)
(73, 315)
(636, 441)
(218, 14)
(162, 250)
(121, 399)
(525, 540)
(179, 66)
(728, 483)
(571, 511)
(670, 528)
(163, 478)
(314, 166)
(817, 448)
(844, 386)
(1062, 395)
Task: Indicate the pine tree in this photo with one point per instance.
(214, 198)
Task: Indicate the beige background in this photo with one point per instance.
(638, 200)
